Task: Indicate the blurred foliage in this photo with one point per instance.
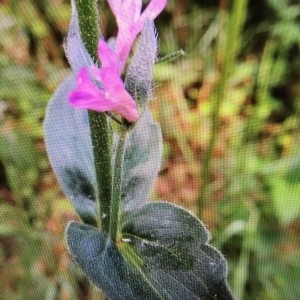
(230, 115)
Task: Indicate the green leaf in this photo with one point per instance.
(162, 253)
(283, 181)
(69, 147)
(103, 264)
(285, 199)
(21, 162)
(141, 163)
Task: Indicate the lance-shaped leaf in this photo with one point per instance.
(141, 163)
(69, 147)
(163, 253)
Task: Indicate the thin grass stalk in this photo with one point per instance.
(235, 20)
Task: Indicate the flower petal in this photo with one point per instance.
(87, 94)
(131, 21)
(115, 5)
(114, 97)
(129, 14)
(116, 92)
(107, 56)
(153, 9)
(124, 42)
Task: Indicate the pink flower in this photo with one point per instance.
(103, 89)
(130, 22)
(113, 95)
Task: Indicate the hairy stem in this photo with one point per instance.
(89, 27)
(101, 133)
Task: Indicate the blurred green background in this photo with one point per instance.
(230, 115)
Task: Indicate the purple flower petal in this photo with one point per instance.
(107, 56)
(114, 97)
(115, 5)
(130, 22)
(115, 90)
(87, 94)
(153, 9)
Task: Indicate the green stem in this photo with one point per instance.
(117, 185)
(100, 130)
(102, 147)
(241, 272)
(89, 27)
